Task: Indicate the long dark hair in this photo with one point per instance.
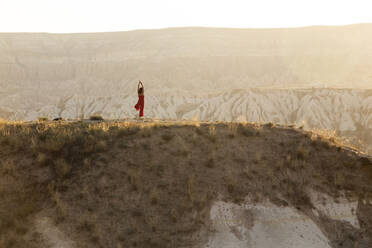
(140, 90)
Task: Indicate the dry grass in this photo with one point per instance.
(17, 203)
(138, 184)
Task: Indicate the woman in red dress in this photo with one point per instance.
(141, 98)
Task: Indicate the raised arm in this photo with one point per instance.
(140, 84)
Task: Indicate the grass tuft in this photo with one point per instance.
(233, 129)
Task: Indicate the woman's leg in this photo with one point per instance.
(141, 111)
(137, 106)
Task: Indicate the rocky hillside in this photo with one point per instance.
(344, 111)
(197, 185)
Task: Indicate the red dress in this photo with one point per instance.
(140, 104)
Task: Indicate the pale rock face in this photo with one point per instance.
(336, 209)
(265, 225)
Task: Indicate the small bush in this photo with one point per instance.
(302, 153)
(42, 158)
(8, 166)
(154, 198)
(212, 134)
(146, 132)
(54, 142)
(123, 145)
(212, 130)
(167, 137)
(248, 132)
(269, 125)
(62, 168)
(212, 138)
(43, 118)
(198, 130)
(320, 143)
(96, 118)
(183, 152)
(133, 180)
(190, 189)
(87, 225)
(101, 146)
(210, 163)
(146, 146)
(127, 131)
(233, 127)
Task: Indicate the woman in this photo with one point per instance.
(141, 98)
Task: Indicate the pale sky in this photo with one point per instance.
(71, 16)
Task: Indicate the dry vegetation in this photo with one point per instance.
(96, 118)
(121, 184)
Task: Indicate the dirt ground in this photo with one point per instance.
(152, 184)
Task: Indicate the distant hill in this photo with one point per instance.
(187, 58)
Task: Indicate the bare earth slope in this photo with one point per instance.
(149, 184)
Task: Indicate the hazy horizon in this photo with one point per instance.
(112, 16)
(193, 27)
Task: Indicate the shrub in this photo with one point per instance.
(8, 166)
(154, 198)
(167, 137)
(42, 158)
(101, 146)
(210, 163)
(43, 118)
(212, 130)
(146, 132)
(269, 125)
(233, 127)
(62, 168)
(146, 146)
(198, 130)
(247, 132)
(96, 118)
(320, 143)
(127, 131)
